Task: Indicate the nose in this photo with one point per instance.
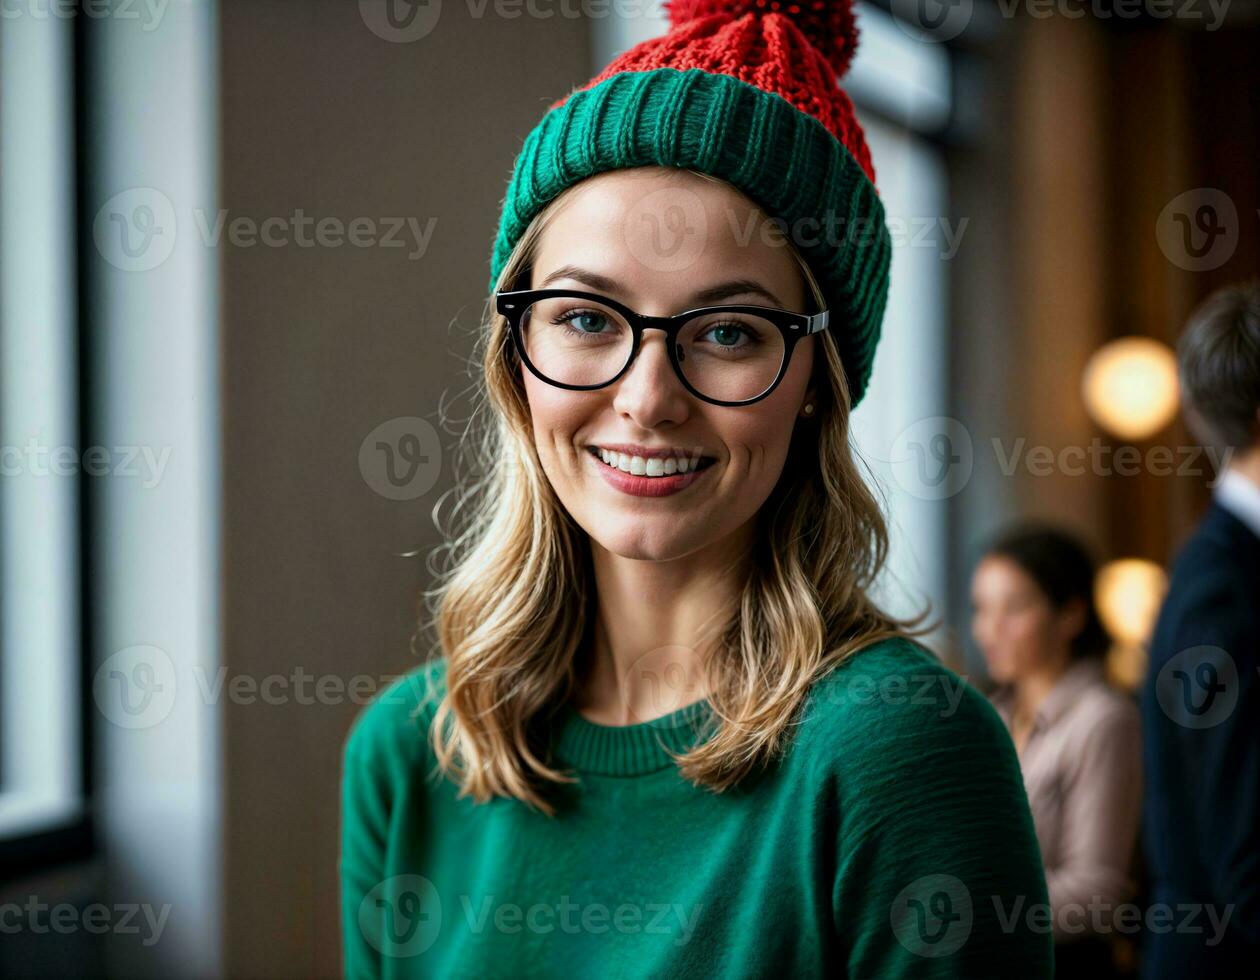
(650, 392)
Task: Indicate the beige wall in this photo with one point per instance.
(320, 345)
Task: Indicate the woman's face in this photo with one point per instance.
(1014, 623)
(656, 239)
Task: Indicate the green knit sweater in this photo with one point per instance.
(892, 840)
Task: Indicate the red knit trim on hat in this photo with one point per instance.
(766, 50)
(830, 25)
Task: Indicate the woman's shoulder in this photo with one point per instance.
(894, 704)
(394, 725)
(931, 820)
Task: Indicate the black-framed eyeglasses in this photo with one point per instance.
(725, 355)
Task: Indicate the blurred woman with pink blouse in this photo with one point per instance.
(1078, 738)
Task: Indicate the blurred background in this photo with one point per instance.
(244, 250)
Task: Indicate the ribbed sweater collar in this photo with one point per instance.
(628, 750)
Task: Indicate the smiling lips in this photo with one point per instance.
(655, 475)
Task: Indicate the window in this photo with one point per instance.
(901, 87)
(42, 771)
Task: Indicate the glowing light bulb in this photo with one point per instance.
(1128, 592)
(1130, 387)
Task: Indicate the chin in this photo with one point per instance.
(999, 673)
(635, 543)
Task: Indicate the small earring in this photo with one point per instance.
(809, 408)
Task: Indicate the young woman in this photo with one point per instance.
(1078, 739)
(668, 733)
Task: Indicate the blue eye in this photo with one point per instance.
(727, 334)
(585, 321)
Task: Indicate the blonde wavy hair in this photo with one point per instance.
(512, 650)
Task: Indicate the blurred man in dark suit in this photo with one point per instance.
(1201, 702)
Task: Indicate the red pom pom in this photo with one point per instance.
(829, 24)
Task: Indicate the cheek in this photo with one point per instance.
(1004, 635)
(556, 417)
(991, 633)
(981, 627)
(1031, 626)
(1029, 631)
(762, 433)
(553, 411)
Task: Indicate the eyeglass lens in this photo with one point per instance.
(724, 356)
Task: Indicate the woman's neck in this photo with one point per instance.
(1032, 689)
(655, 624)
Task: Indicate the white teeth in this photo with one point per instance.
(649, 466)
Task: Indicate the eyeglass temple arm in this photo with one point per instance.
(818, 322)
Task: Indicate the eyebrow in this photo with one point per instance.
(714, 294)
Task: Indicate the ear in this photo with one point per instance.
(811, 398)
